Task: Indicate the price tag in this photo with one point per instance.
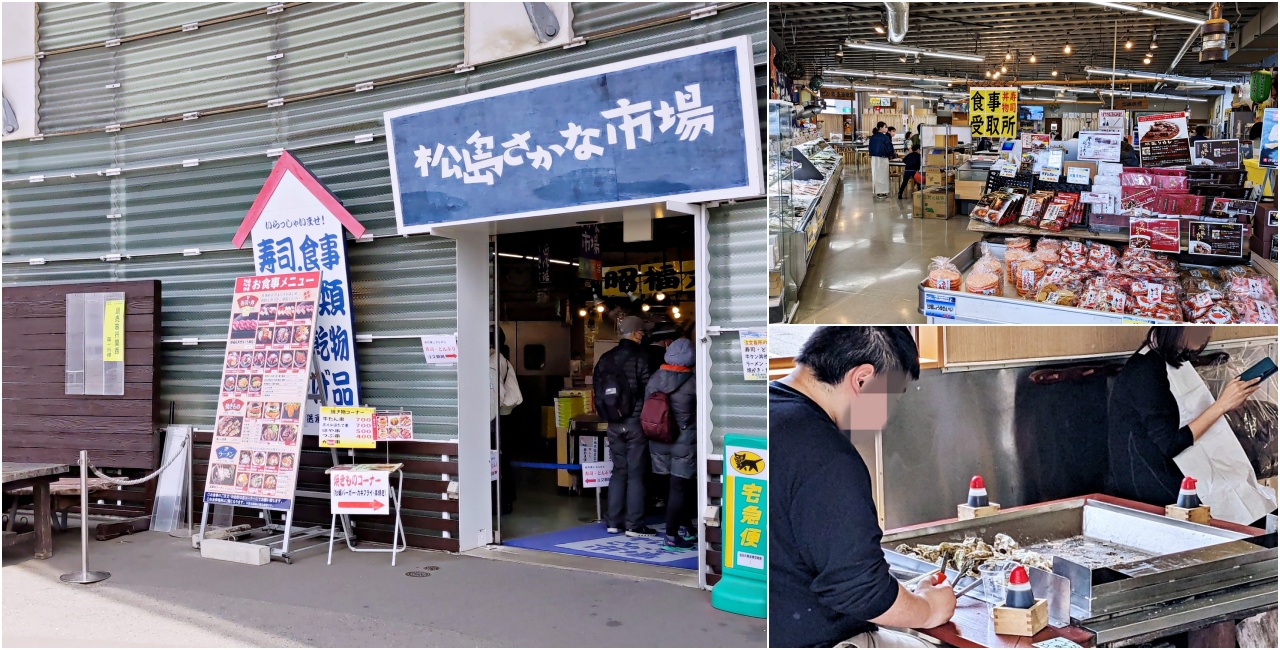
(1078, 175)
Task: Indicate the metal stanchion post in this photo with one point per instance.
(598, 518)
(84, 576)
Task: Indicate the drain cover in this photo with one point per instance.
(417, 574)
(431, 568)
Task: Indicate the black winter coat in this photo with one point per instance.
(679, 457)
(633, 359)
(1144, 434)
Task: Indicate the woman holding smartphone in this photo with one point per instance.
(1159, 409)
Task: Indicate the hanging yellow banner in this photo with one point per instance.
(993, 112)
(113, 331)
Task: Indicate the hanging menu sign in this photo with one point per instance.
(257, 435)
(1163, 140)
(1110, 120)
(1219, 153)
(993, 112)
(1216, 239)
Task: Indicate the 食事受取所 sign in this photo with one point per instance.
(681, 126)
(993, 112)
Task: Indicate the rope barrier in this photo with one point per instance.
(117, 481)
(546, 465)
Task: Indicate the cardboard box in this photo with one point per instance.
(938, 178)
(917, 205)
(775, 284)
(938, 204)
(936, 158)
(946, 140)
(970, 190)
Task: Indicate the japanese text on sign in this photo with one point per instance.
(746, 506)
(596, 474)
(755, 355)
(646, 279)
(347, 427)
(355, 491)
(993, 112)
(440, 349)
(113, 331)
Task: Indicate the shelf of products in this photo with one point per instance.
(1089, 282)
(800, 192)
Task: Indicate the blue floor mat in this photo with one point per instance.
(591, 540)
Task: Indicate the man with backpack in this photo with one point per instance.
(618, 384)
(669, 419)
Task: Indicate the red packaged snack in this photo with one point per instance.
(1221, 313)
(1251, 287)
(1033, 207)
(1018, 243)
(1012, 257)
(1055, 216)
(1101, 257)
(1254, 312)
(1030, 271)
(1052, 244)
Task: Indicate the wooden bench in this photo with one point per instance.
(65, 493)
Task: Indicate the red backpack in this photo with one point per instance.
(657, 421)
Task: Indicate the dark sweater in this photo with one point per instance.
(1144, 435)
(911, 162)
(827, 573)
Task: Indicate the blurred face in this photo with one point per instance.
(1195, 338)
(871, 397)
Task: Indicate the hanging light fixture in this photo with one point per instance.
(644, 307)
(660, 296)
(1004, 69)
(1033, 57)
(1154, 44)
(582, 312)
(995, 75)
(1146, 59)
(1008, 56)
(987, 74)
(1054, 73)
(1128, 43)
(902, 59)
(600, 308)
(878, 27)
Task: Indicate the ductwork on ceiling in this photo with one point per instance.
(897, 21)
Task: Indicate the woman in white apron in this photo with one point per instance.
(1164, 425)
(880, 149)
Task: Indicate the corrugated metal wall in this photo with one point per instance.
(401, 286)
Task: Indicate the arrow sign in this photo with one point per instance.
(367, 505)
(357, 490)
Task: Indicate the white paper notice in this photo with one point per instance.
(755, 355)
(597, 474)
(440, 349)
(1078, 175)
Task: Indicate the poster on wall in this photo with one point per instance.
(633, 132)
(1270, 138)
(993, 112)
(1110, 120)
(1102, 146)
(1219, 153)
(1163, 140)
(257, 437)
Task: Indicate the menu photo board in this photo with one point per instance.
(393, 425)
(257, 439)
(1216, 239)
(1155, 234)
(1238, 210)
(1219, 153)
(347, 427)
(1163, 140)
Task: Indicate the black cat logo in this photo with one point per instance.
(747, 462)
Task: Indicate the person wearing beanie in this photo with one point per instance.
(657, 341)
(678, 459)
(618, 384)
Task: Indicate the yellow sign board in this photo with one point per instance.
(993, 112)
(347, 427)
(647, 279)
(113, 331)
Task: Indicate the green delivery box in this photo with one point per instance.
(743, 586)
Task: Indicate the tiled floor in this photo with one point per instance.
(866, 269)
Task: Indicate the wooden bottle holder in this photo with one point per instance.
(1198, 515)
(965, 511)
(1021, 622)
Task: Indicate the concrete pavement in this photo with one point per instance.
(162, 593)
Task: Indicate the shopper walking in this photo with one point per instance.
(504, 396)
(828, 578)
(1159, 409)
(880, 149)
(677, 405)
(911, 165)
(618, 385)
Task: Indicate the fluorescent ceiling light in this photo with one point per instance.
(886, 75)
(872, 88)
(884, 47)
(1060, 88)
(1162, 77)
(848, 73)
(1159, 13)
(1113, 5)
(1152, 95)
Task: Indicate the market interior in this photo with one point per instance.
(557, 321)
(843, 254)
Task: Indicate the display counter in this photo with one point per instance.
(803, 180)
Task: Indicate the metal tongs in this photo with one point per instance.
(942, 568)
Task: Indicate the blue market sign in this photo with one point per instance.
(679, 126)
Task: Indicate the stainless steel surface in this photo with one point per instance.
(84, 576)
(552, 336)
(1186, 560)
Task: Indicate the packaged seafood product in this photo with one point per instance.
(1101, 257)
(1033, 207)
(943, 275)
(1054, 244)
(1049, 257)
(1030, 270)
(984, 282)
(989, 263)
(1055, 295)
(1018, 243)
(1012, 257)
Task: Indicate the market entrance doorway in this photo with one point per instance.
(559, 295)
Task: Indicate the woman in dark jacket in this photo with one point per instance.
(1128, 157)
(1144, 434)
(678, 458)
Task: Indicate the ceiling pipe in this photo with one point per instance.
(1182, 51)
(897, 22)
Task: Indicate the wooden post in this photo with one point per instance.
(43, 519)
